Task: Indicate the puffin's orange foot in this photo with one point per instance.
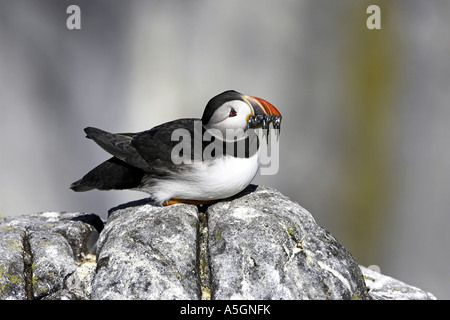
(194, 202)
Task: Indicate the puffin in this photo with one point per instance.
(189, 160)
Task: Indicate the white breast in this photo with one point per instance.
(222, 178)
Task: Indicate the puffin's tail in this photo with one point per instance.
(111, 174)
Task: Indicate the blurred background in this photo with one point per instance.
(365, 133)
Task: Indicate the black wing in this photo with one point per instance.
(135, 155)
(111, 174)
(119, 145)
(149, 150)
(156, 145)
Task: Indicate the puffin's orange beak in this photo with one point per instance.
(261, 106)
(264, 113)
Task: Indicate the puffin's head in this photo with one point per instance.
(235, 111)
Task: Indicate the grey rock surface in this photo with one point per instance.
(41, 254)
(382, 287)
(257, 245)
(148, 252)
(264, 246)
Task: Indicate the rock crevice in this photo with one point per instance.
(202, 257)
(27, 265)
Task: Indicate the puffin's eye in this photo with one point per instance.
(233, 112)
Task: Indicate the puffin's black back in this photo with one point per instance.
(217, 101)
(149, 152)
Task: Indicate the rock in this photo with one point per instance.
(12, 280)
(148, 252)
(264, 246)
(257, 245)
(40, 255)
(260, 245)
(386, 288)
